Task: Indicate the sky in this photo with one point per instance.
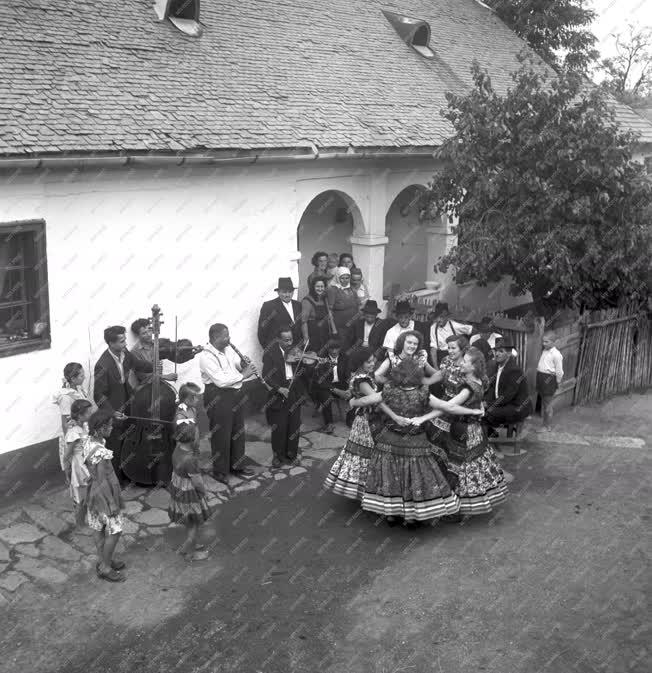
(613, 17)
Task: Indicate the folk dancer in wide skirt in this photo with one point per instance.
(480, 481)
(348, 475)
(405, 478)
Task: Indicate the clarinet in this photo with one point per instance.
(247, 361)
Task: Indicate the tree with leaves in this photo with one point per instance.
(545, 189)
(558, 30)
(628, 74)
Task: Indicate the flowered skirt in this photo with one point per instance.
(187, 505)
(348, 475)
(405, 479)
(481, 484)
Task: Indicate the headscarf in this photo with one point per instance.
(341, 271)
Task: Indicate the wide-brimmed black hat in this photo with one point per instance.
(440, 307)
(402, 306)
(487, 322)
(504, 343)
(285, 285)
(371, 306)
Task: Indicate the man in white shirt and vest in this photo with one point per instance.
(550, 373)
(442, 328)
(222, 374)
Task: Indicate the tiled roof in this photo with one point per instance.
(103, 76)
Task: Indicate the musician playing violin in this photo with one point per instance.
(287, 375)
(330, 380)
(144, 350)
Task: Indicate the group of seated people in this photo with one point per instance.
(333, 320)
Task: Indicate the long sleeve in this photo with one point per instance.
(137, 363)
(272, 373)
(462, 328)
(307, 311)
(211, 370)
(101, 388)
(263, 325)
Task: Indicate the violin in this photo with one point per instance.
(296, 354)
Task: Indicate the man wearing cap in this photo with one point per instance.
(486, 332)
(403, 313)
(442, 328)
(370, 330)
(280, 312)
(507, 398)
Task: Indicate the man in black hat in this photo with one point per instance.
(370, 330)
(280, 312)
(486, 332)
(404, 323)
(441, 329)
(507, 398)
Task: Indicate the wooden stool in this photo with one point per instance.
(511, 443)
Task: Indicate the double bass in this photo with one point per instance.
(147, 447)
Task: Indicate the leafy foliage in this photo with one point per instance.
(546, 191)
(558, 30)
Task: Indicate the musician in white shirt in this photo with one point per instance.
(442, 328)
(222, 374)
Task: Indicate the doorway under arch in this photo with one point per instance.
(406, 255)
(327, 224)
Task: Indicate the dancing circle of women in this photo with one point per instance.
(411, 455)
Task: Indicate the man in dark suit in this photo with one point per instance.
(111, 389)
(330, 380)
(287, 381)
(280, 312)
(369, 331)
(507, 398)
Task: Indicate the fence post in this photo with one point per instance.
(532, 352)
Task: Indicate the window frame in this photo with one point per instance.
(37, 285)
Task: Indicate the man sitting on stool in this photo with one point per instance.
(330, 380)
(507, 398)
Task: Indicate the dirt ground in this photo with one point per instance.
(299, 580)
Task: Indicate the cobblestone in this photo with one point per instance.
(152, 517)
(58, 549)
(159, 498)
(40, 571)
(4, 552)
(46, 519)
(11, 580)
(248, 486)
(28, 550)
(21, 532)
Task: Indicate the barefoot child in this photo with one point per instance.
(550, 373)
(187, 408)
(103, 497)
(80, 413)
(188, 504)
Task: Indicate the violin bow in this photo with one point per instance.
(296, 373)
(176, 344)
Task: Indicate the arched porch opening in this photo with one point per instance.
(406, 255)
(327, 224)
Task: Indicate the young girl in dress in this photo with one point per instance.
(80, 413)
(188, 504)
(71, 390)
(103, 500)
(348, 475)
(187, 408)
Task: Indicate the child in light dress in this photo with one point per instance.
(187, 408)
(76, 434)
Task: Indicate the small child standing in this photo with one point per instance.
(80, 413)
(103, 497)
(187, 408)
(550, 372)
(188, 504)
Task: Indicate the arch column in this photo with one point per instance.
(440, 240)
(369, 254)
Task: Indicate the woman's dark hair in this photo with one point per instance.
(314, 260)
(71, 370)
(185, 433)
(188, 389)
(343, 256)
(78, 407)
(98, 420)
(112, 334)
(461, 340)
(407, 374)
(479, 365)
(358, 357)
(137, 325)
(313, 281)
(400, 342)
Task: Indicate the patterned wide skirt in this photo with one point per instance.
(481, 484)
(348, 475)
(187, 505)
(405, 479)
